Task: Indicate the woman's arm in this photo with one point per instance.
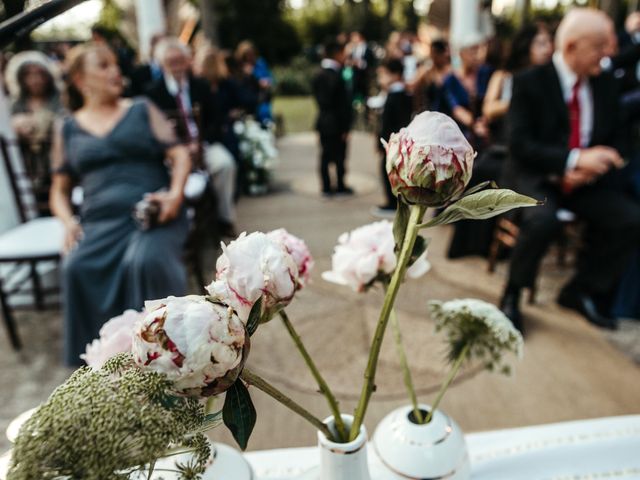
(494, 106)
(179, 160)
(60, 193)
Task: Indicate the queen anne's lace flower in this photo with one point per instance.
(488, 333)
(115, 337)
(297, 248)
(199, 345)
(429, 162)
(252, 267)
(366, 254)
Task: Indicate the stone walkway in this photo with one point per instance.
(570, 370)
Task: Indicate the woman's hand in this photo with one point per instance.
(169, 202)
(72, 235)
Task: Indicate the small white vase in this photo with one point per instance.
(406, 450)
(341, 461)
(226, 462)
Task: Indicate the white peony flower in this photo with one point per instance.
(199, 345)
(251, 267)
(430, 161)
(366, 254)
(487, 331)
(115, 337)
(297, 248)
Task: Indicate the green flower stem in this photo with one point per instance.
(322, 384)
(415, 217)
(261, 384)
(454, 370)
(397, 336)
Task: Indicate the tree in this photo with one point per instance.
(209, 20)
(262, 22)
(12, 8)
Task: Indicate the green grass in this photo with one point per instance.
(299, 113)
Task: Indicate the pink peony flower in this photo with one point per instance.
(251, 267)
(115, 337)
(430, 161)
(199, 345)
(299, 252)
(366, 254)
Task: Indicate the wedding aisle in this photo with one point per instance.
(569, 371)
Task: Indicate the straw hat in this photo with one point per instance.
(34, 58)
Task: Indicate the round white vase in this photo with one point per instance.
(406, 450)
(341, 461)
(226, 462)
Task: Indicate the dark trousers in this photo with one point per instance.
(333, 148)
(612, 232)
(390, 198)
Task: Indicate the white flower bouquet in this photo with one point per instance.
(257, 145)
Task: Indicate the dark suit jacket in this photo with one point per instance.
(141, 80)
(396, 114)
(539, 125)
(202, 101)
(334, 102)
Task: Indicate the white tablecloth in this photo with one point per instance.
(606, 448)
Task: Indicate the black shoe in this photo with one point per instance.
(584, 305)
(510, 306)
(384, 211)
(344, 191)
(328, 193)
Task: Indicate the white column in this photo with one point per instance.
(465, 20)
(150, 19)
(8, 208)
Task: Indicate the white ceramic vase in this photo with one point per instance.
(341, 461)
(226, 462)
(406, 450)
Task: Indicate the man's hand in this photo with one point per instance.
(577, 178)
(599, 160)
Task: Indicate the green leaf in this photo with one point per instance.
(482, 205)
(481, 186)
(254, 317)
(239, 414)
(418, 249)
(400, 223)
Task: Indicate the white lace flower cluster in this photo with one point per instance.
(481, 328)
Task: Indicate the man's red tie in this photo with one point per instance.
(574, 117)
(574, 126)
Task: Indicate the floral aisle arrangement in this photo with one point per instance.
(197, 346)
(259, 154)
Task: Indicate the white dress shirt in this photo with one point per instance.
(331, 64)
(182, 89)
(585, 98)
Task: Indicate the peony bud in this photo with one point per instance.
(115, 337)
(297, 248)
(199, 345)
(366, 254)
(430, 161)
(250, 267)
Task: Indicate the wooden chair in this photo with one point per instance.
(29, 250)
(506, 234)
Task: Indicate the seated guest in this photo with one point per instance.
(464, 90)
(396, 114)
(116, 149)
(35, 104)
(189, 101)
(428, 86)
(563, 134)
(144, 75)
(531, 46)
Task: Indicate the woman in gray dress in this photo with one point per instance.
(120, 151)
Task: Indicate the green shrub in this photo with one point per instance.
(294, 78)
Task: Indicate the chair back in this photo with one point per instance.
(19, 180)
